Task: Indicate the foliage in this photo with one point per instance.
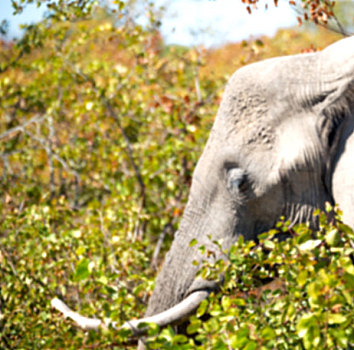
(309, 304)
(222, 62)
(100, 128)
(325, 13)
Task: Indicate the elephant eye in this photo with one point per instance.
(237, 180)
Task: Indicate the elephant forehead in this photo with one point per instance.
(243, 118)
(259, 95)
(264, 101)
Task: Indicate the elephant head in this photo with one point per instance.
(282, 145)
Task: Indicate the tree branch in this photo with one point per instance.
(129, 147)
(14, 61)
(22, 127)
(167, 227)
(48, 150)
(341, 28)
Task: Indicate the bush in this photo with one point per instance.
(308, 304)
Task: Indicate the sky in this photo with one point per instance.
(193, 22)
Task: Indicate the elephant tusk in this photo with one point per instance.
(173, 315)
(83, 322)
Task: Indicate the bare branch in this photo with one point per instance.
(49, 151)
(196, 76)
(13, 62)
(167, 227)
(9, 261)
(197, 84)
(129, 147)
(7, 168)
(116, 118)
(21, 128)
(341, 28)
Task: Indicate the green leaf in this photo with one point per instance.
(167, 333)
(349, 281)
(82, 270)
(193, 242)
(194, 326)
(202, 308)
(240, 338)
(310, 244)
(252, 345)
(332, 237)
(336, 318)
(225, 303)
(179, 339)
(268, 333)
(304, 324)
(302, 278)
(220, 345)
(269, 244)
(239, 302)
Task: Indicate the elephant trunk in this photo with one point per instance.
(178, 276)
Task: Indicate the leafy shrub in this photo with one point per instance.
(309, 304)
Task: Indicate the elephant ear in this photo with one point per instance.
(337, 108)
(343, 174)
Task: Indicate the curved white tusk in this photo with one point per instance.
(174, 314)
(82, 321)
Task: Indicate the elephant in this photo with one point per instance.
(282, 145)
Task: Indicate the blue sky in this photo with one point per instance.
(192, 22)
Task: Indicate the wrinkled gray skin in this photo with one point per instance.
(282, 144)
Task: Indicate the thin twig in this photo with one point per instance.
(196, 77)
(112, 268)
(341, 28)
(7, 167)
(14, 61)
(44, 144)
(167, 227)
(116, 118)
(22, 127)
(106, 238)
(139, 230)
(129, 149)
(50, 157)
